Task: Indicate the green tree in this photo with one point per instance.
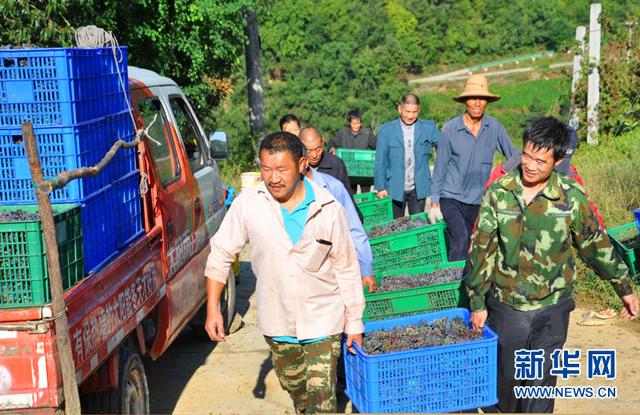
(40, 23)
(405, 24)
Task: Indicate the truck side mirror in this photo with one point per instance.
(218, 147)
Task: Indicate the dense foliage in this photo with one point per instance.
(322, 58)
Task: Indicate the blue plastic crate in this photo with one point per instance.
(436, 379)
(60, 149)
(61, 86)
(98, 224)
(127, 209)
(120, 127)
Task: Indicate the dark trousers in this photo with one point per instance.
(539, 329)
(411, 200)
(460, 218)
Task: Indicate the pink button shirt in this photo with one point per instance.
(306, 290)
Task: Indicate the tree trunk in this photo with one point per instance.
(253, 68)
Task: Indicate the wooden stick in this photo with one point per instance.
(70, 385)
(62, 179)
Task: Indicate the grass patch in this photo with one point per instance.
(611, 175)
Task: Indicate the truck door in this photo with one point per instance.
(175, 196)
(208, 200)
(186, 290)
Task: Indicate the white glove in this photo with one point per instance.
(435, 215)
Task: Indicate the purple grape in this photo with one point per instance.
(402, 224)
(439, 332)
(405, 281)
(18, 216)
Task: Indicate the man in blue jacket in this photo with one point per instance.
(402, 158)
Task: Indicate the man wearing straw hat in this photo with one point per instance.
(463, 163)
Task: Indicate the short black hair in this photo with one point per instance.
(354, 115)
(287, 119)
(283, 141)
(410, 99)
(547, 133)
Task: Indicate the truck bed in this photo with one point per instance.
(102, 310)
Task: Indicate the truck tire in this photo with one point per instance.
(228, 302)
(133, 388)
(227, 308)
(132, 394)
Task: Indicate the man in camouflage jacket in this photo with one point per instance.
(522, 264)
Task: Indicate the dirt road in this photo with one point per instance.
(196, 376)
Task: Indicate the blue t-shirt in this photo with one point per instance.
(294, 221)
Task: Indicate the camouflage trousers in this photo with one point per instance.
(308, 372)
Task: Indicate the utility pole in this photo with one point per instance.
(253, 70)
(577, 73)
(67, 366)
(593, 94)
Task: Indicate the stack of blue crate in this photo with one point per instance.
(75, 100)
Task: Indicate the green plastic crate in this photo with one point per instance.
(418, 247)
(24, 277)
(629, 253)
(376, 212)
(415, 300)
(360, 163)
(364, 197)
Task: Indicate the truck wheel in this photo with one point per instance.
(132, 394)
(228, 302)
(227, 308)
(133, 388)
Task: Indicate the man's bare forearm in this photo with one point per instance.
(214, 291)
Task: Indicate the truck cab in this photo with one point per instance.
(141, 300)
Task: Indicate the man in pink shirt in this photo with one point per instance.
(308, 287)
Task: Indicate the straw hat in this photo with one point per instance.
(477, 86)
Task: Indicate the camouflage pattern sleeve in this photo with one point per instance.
(594, 247)
(483, 255)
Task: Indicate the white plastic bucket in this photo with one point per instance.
(250, 179)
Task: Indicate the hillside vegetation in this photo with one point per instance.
(322, 58)
(611, 177)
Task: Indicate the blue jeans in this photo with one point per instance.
(460, 218)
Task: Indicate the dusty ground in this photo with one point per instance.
(196, 376)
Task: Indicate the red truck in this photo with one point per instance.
(141, 300)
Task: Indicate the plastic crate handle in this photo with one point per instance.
(364, 157)
(403, 305)
(409, 241)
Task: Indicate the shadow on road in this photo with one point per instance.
(169, 375)
(260, 390)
